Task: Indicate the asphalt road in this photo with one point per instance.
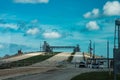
(57, 74)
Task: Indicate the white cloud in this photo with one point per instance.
(112, 8)
(31, 1)
(87, 15)
(92, 25)
(93, 14)
(33, 31)
(9, 25)
(52, 35)
(34, 21)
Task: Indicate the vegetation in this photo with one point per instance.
(71, 57)
(28, 61)
(95, 76)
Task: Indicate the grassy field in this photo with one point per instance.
(28, 61)
(95, 76)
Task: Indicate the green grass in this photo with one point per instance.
(95, 76)
(28, 61)
(71, 57)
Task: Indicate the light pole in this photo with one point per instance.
(90, 48)
(108, 52)
(94, 50)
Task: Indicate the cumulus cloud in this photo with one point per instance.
(93, 14)
(87, 15)
(31, 1)
(112, 8)
(35, 21)
(33, 31)
(9, 25)
(52, 35)
(92, 25)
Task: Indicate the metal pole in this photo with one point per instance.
(116, 49)
(94, 60)
(90, 48)
(108, 52)
(114, 52)
(94, 50)
(118, 37)
(84, 56)
(40, 46)
(115, 37)
(115, 78)
(108, 58)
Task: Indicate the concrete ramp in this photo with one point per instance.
(78, 57)
(53, 61)
(20, 57)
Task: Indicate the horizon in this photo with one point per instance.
(25, 24)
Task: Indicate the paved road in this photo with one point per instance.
(78, 57)
(60, 74)
(53, 61)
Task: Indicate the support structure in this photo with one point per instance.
(94, 50)
(108, 53)
(48, 48)
(90, 48)
(116, 49)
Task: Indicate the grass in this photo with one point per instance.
(95, 76)
(28, 61)
(71, 57)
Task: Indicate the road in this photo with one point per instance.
(53, 61)
(65, 72)
(78, 57)
(56, 74)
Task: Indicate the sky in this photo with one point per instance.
(25, 24)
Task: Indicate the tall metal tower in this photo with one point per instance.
(108, 52)
(116, 49)
(94, 50)
(40, 47)
(117, 34)
(90, 48)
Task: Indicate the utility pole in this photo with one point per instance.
(94, 50)
(94, 60)
(90, 48)
(108, 52)
(40, 47)
(108, 58)
(84, 56)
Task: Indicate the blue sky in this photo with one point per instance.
(27, 23)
